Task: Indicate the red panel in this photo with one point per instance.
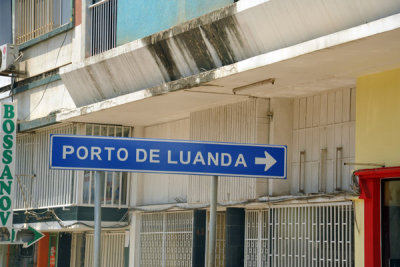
(43, 251)
(370, 185)
(372, 220)
(380, 173)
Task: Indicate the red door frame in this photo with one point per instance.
(370, 185)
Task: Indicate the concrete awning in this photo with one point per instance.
(330, 61)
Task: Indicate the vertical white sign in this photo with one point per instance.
(7, 162)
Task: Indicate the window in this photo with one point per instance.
(114, 185)
(104, 26)
(34, 18)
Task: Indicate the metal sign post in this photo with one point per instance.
(213, 221)
(97, 221)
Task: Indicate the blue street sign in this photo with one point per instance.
(167, 156)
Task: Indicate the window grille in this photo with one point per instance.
(114, 184)
(166, 239)
(307, 235)
(39, 187)
(112, 249)
(104, 26)
(34, 18)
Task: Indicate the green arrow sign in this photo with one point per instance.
(14, 239)
(36, 236)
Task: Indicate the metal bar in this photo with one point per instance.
(97, 222)
(213, 214)
(98, 3)
(338, 169)
(91, 32)
(364, 164)
(105, 190)
(259, 217)
(302, 171)
(120, 190)
(322, 170)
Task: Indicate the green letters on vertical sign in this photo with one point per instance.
(8, 122)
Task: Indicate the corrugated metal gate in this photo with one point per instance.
(300, 235)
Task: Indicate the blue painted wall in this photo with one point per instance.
(5, 22)
(139, 18)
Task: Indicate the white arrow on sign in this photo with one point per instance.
(268, 160)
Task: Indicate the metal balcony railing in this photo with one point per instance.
(104, 26)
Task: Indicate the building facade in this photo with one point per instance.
(321, 77)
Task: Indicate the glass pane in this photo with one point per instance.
(86, 187)
(111, 130)
(117, 179)
(124, 187)
(118, 132)
(104, 131)
(53, 250)
(89, 129)
(96, 130)
(92, 187)
(109, 187)
(391, 223)
(126, 131)
(66, 11)
(102, 185)
(56, 13)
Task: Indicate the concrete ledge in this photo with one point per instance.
(324, 63)
(231, 35)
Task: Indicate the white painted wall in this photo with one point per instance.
(244, 122)
(164, 188)
(315, 124)
(47, 55)
(41, 101)
(281, 134)
(4, 81)
(322, 124)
